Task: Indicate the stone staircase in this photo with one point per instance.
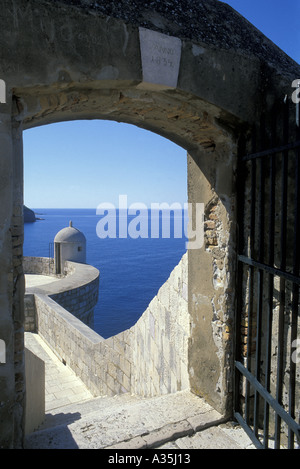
(76, 420)
(180, 420)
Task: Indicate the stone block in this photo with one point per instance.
(137, 442)
(35, 391)
(168, 433)
(160, 58)
(173, 301)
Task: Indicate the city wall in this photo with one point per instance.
(77, 289)
(149, 359)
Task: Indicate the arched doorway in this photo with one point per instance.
(221, 84)
(94, 163)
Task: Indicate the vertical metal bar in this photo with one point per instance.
(241, 177)
(253, 199)
(251, 277)
(260, 275)
(238, 344)
(257, 217)
(49, 261)
(298, 110)
(272, 171)
(280, 348)
(295, 293)
(249, 344)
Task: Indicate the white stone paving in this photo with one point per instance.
(32, 280)
(62, 386)
(76, 420)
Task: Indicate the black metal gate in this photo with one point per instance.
(267, 365)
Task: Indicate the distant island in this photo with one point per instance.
(29, 215)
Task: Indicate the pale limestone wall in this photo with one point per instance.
(35, 391)
(80, 301)
(160, 341)
(151, 358)
(38, 265)
(29, 313)
(45, 266)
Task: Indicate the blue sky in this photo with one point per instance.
(92, 162)
(276, 19)
(81, 164)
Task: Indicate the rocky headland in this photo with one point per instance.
(29, 215)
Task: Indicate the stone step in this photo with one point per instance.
(100, 406)
(124, 422)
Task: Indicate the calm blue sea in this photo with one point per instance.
(131, 270)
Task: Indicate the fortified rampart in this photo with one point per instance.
(77, 290)
(196, 73)
(149, 359)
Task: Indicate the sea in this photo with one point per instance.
(132, 268)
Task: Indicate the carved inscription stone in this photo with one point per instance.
(160, 58)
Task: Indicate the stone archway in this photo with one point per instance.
(90, 61)
(192, 126)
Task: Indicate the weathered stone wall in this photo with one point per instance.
(12, 372)
(30, 324)
(80, 301)
(160, 339)
(45, 266)
(212, 296)
(71, 340)
(39, 266)
(269, 233)
(35, 395)
(149, 359)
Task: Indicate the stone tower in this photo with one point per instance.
(69, 245)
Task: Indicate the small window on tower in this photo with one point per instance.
(79, 248)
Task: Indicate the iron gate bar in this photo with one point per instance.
(267, 268)
(240, 266)
(249, 341)
(260, 276)
(272, 163)
(295, 295)
(283, 254)
(254, 264)
(251, 279)
(252, 275)
(51, 255)
(248, 430)
(270, 298)
(272, 151)
(270, 399)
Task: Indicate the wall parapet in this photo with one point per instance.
(46, 266)
(77, 290)
(38, 265)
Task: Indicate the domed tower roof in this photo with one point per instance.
(69, 235)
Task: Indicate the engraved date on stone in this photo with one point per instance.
(160, 58)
